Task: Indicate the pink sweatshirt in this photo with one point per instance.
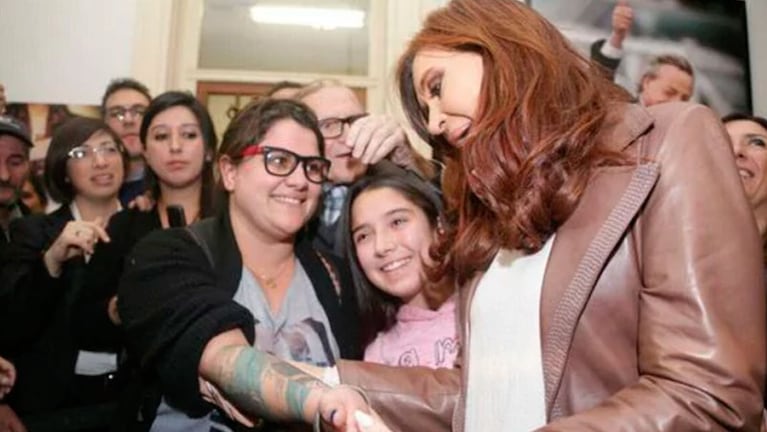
(420, 337)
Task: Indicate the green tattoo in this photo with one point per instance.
(263, 385)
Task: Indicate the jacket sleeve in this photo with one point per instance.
(608, 65)
(171, 306)
(407, 398)
(28, 294)
(701, 341)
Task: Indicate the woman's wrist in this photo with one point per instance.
(51, 264)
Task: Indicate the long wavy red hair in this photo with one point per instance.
(533, 144)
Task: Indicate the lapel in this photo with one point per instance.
(584, 243)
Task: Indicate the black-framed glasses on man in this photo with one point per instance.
(86, 152)
(281, 163)
(333, 127)
(121, 113)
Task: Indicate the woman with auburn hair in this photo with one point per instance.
(597, 245)
(607, 264)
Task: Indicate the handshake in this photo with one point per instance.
(344, 409)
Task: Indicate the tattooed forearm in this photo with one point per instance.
(263, 385)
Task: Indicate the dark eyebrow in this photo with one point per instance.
(388, 213)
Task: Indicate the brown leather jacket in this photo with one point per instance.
(653, 303)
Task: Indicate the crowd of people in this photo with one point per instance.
(579, 258)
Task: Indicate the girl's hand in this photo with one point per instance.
(76, 239)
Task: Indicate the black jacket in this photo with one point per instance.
(36, 315)
(95, 330)
(172, 301)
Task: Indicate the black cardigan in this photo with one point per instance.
(172, 302)
(95, 330)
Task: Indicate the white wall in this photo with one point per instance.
(64, 51)
(757, 40)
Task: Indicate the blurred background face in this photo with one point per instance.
(31, 199)
(749, 142)
(98, 174)
(391, 237)
(124, 110)
(670, 84)
(448, 85)
(340, 103)
(14, 168)
(278, 207)
(175, 149)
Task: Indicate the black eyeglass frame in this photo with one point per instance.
(304, 161)
(342, 121)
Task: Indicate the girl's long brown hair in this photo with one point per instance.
(533, 143)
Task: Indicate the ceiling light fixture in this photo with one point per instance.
(321, 18)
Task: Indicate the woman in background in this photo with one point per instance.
(43, 278)
(179, 143)
(33, 195)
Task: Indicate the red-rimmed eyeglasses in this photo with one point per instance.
(281, 163)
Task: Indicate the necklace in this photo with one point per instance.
(270, 281)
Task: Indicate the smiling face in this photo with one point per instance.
(447, 85)
(391, 237)
(174, 147)
(749, 142)
(98, 175)
(276, 207)
(338, 102)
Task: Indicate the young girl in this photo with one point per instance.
(390, 221)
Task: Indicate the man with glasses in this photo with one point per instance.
(123, 106)
(354, 140)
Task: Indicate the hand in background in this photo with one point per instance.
(7, 377)
(623, 17)
(77, 238)
(9, 421)
(112, 312)
(143, 202)
(3, 100)
(373, 137)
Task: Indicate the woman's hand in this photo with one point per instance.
(77, 238)
(344, 409)
(112, 312)
(143, 202)
(7, 377)
(9, 421)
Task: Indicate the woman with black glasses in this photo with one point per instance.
(247, 275)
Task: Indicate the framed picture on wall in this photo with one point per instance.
(711, 34)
